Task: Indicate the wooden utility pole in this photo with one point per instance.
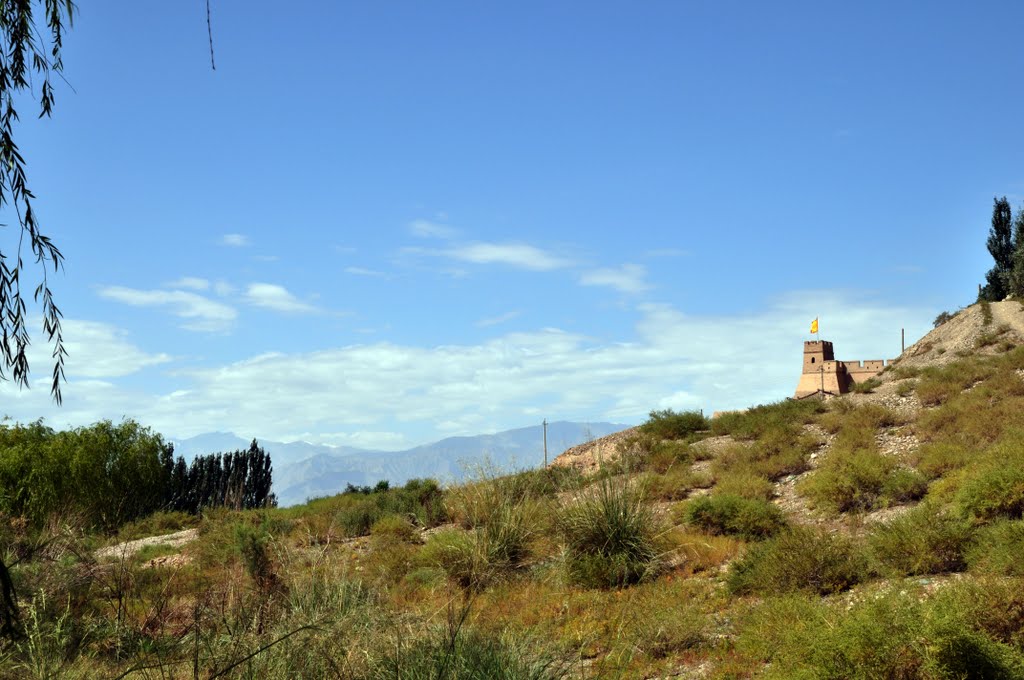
(903, 340)
(545, 442)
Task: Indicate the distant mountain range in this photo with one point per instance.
(303, 470)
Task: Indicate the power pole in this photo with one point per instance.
(545, 442)
(903, 340)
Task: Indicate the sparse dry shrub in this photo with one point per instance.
(675, 484)
(755, 422)
(745, 484)
(698, 550)
(668, 424)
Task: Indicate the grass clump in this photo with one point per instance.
(799, 559)
(669, 424)
(922, 541)
(734, 515)
(611, 536)
(460, 654)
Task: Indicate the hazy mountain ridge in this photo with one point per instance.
(303, 470)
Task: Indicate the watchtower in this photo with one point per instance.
(817, 352)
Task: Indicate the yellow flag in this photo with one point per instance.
(814, 326)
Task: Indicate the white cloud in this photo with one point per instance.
(277, 298)
(668, 360)
(360, 271)
(223, 288)
(190, 282)
(518, 255)
(234, 240)
(629, 278)
(200, 313)
(425, 229)
(500, 319)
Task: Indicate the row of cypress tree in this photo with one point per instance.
(108, 474)
(1006, 245)
(239, 480)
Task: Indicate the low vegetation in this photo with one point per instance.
(792, 540)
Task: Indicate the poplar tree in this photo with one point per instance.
(1017, 272)
(1000, 246)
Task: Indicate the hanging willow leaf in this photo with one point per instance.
(27, 54)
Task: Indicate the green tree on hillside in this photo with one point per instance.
(1017, 271)
(1000, 245)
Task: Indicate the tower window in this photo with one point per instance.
(812, 360)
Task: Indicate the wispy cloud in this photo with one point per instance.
(519, 255)
(234, 240)
(669, 359)
(277, 298)
(425, 229)
(360, 271)
(200, 313)
(629, 278)
(190, 282)
(500, 319)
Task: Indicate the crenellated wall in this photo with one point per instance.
(823, 373)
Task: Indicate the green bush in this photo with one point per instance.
(995, 488)
(753, 423)
(997, 549)
(735, 515)
(849, 480)
(668, 424)
(922, 541)
(800, 559)
(903, 485)
(894, 634)
(611, 536)
(940, 458)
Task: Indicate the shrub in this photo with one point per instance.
(891, 635)
(799, 559)
(997, 549)
(996, 488)
(668, 424)
(904, 485)
(986, 312)
(458, 654)
(922, 541)
(611, 536)
(943, 317)
(753, 423)
(866, 386)
(906, 388)
(675, 484)
(394, 526)
(849, 480)
(729, 514)
(745, 484)
(939, 458)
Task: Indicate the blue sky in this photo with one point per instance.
(379, 224)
